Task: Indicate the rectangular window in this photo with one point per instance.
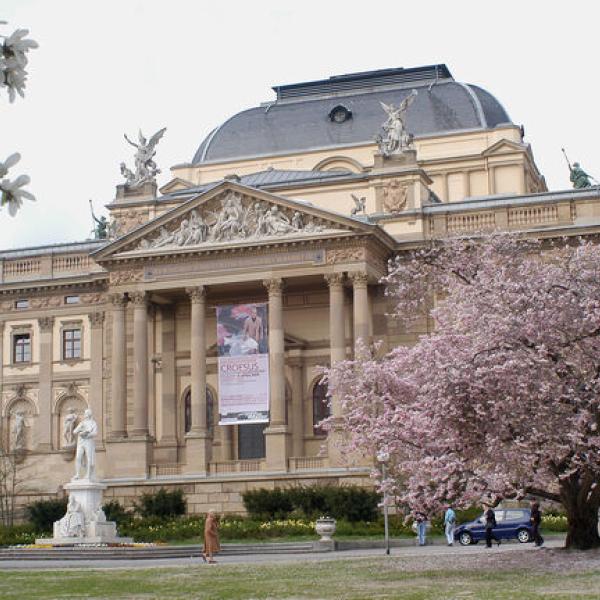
(71, 344)
(22, 348)
(21, 304)
(71, 299)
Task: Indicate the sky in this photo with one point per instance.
(108, 68)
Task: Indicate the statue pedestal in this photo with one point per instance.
(86, 522)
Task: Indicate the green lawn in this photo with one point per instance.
(474, 577)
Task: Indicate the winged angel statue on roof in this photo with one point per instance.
(396, 139)
(145, 167)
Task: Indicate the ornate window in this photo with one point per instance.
(321, 408)
(71, 299)
(21, 304)
(187, 410)
(71, 343)
(21, 348)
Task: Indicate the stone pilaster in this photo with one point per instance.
(360, 306)
(276, 435)
(96, 377)
(168, 400)
(298, 409)
(44, 428)
(140, 364)
(198, 440)
(118, 383)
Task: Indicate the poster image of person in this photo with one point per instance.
(243, 364)
(242, 329)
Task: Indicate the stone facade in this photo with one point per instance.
(128, 327)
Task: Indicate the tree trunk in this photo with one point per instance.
(582, 518)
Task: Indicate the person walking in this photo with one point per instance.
(536, 521)
(211, 537)
(421, 520)
(449, 524)
(490, 523)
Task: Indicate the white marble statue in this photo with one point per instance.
(145, 168)
(396, 139)
(69, 427)
(86, 431)
(73, 523)
(19, 430)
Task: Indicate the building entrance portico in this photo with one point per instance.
(164, 335)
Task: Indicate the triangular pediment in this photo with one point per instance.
(504, 147)
(231, 214)
(175, 185)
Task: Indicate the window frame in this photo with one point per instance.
(15, 337)
(70, 344)
(319, 412)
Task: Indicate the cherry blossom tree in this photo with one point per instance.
(501, 399)
(13, 76)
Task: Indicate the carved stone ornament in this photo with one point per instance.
(359, 279)
(341, 255)
(274, 286)
(196, 294)
(118, 300)
(92, 298)
(334, 279)
(127, 221)
(138, 298)
(46, 302)
(126, 276)
(46, 323)
(395, 195)
(96, 319)
(234, 217)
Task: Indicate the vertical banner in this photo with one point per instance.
(243, 363)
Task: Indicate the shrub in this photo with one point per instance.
(350, 503)
(116, 512)
(163, 503)
(18, 534)
(42, 513)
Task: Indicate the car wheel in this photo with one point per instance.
(465, 538)
(523, 536)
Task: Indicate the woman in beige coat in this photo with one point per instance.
(211, 537)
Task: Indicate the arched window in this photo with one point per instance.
(321, 408)
(187, 410)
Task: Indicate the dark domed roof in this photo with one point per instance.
(345, 110)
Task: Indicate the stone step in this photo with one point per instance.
(153, 552)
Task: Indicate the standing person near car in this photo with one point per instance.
(490, 523)
(211, 537)
(421, 520)
(449, 524)
(536, 521)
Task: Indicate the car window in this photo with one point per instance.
(515, 515)
(499, 515)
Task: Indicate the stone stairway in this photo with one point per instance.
(150, 552)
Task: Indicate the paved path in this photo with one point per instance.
(408, 552)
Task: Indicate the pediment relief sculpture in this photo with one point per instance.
(234, 217)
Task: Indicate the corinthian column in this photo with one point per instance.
(337, 350)
(276, 434)
(140, 363)
(118, 379)
(96, 383)
(361, 307)
(198, 359)
(198, 443)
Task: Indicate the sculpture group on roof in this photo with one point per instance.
(237, 219)
(146, 169)
(396, 138)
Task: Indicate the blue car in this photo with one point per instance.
(511, 523)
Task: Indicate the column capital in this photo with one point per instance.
(334, 279)
(46, 323)
(196, 294)
(96, 319)
(117, 300)
(274, 286)
(139, 298)
(359, 279)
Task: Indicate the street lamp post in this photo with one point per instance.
(383, 457)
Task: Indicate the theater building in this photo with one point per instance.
(262, 215)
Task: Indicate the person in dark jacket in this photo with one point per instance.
(536, 521)
(490, 523)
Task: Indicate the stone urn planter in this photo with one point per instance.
(325, 527)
